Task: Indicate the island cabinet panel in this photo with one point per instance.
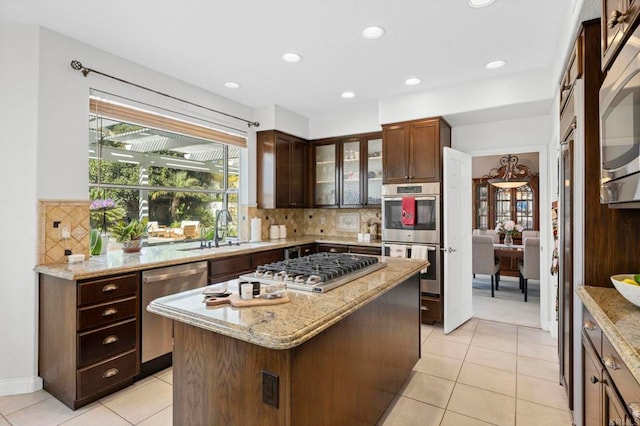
(88, 336)
(346, 375)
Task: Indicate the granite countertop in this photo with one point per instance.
(289, 324)
(117, 262)
(619, 320)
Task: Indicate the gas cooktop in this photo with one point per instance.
(319, 272)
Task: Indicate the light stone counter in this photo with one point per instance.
(619, 320)
(290, 324)
(117, 262)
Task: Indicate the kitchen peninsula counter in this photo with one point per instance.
(117, 262)
(338, 357)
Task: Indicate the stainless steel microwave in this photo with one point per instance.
(620, 129)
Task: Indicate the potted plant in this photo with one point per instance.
(130, 234)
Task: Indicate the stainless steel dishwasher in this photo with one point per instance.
(157, 331)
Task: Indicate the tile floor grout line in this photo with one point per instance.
(116, 413)
(5, 415)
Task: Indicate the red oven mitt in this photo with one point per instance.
(409, 211)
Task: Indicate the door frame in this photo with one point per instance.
(547, 299)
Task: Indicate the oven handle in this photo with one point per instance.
(429, 247)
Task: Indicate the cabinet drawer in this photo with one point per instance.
(332, 248)
(106, 342)
(430, 310)
(264, 257)
(591, 328)
(626, 384)
(96, 291)
(109, 373)
(232, 265)
(106, 313)
(376, 251)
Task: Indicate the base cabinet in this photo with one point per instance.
(88, 336)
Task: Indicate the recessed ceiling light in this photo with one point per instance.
(372, 33)
(494, 64)
(412, 81)
(291, 57)
(348, 95)
(231, 85)
(480, 3)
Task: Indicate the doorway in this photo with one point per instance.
(524, 206)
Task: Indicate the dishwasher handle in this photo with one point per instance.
(152, 278)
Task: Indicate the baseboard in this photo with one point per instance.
(20, 385)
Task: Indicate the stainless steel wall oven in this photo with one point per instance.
(411, 213)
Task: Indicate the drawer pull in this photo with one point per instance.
(594, 380)
(609, 362)
(109, 287)
(109, 311)
(110, 373)
(110, 339)
(634, 408)
(588, 325)
(332, 250)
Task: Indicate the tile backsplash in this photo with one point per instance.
(305, 221)
(56, 215)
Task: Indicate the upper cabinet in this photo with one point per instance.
(282, 170)
(347, 171)
(492, 204)
(412, 150)
(618, 20)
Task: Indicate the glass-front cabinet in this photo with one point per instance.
(326, 172)
(492, 204)
(348, 171)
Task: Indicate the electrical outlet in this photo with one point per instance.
(65, 231)
(322, 220)
(270, 388)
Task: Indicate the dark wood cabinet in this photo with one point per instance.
(347, 171)
(229, 268)
(344, 248)
(88, 336)
(619, 18)
(412, 150)
(592, 386)
(282, 170)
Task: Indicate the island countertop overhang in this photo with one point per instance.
(287, 325)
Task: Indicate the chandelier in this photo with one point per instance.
(510, 174)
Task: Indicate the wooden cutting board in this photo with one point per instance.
(235, 301)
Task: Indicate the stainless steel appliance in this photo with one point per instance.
(157, 331)
(430, 279)
(425, 201)
(318, 272)
(620, 128)
(292, 252)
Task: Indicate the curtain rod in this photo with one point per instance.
(77, 65)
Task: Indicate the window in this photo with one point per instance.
(172, 172)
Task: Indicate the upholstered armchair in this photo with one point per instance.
(484, 260)
(530, 266)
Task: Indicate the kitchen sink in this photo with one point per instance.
(225, 245)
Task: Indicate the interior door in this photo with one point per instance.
(457, 239)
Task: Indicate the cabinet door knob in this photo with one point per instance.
(616, 18)
(110, 373)
(109, 311)
(634, 408)
(109, 287)
(594, 379)
(609, 362)
(110, 339)
(588, 325)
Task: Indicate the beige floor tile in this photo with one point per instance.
(499, 329)
(409, 412)
(444, 347)
(131, 388)
(454, 419)
(430, 389)
(536, 335)
(470, 325)
(163, 418)
(542, 392)
(491, 358)
(488, 378)
(3, 422)
(459, 335)
(538, 368)
(98, 416)
(166, 377)
(531, 414)
(533, 350)
(496, 343)
(142, 402)
(44, 413)
(440, 366)
(11, 403)
(483, 405)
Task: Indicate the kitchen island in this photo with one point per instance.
(333, 358)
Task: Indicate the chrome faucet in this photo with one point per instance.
(216, 236)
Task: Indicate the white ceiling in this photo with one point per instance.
(209, 42)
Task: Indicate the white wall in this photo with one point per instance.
(43, 122)
(364, 119)
(18, 252)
